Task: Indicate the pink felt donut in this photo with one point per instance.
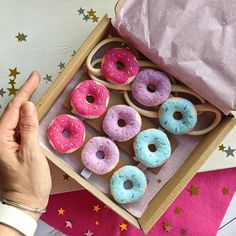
(100, 155)
(66, 133)
(89, 99)
(129, 66)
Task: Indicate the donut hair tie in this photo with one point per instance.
(90, 66)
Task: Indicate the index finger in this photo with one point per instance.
(10, 116)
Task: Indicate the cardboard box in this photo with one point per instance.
(174, 186)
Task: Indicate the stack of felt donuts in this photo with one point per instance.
(89, 100)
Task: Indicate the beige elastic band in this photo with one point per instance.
(209, 108)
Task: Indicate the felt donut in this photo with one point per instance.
(66, 133)
(128, 184)
(123, 57)
(178, 115)
(89, 99)
(151, 87)
(100, 155)
(152, 148)
(122, 123)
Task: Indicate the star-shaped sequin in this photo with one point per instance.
(96, 208)
(81, 11)
(60, 211)
(86, 18)
(48, 78)
(166, 226)
(66, 177)
(95, 18)
(183, 231)
(21, 37)
(68, 224)
(123, 227)
(61, 65)
(74, 52)
(221, 148)
(89, 233)
(178, 210)
(2, 92)
(230, 152)
(13, 72)
(193, 190)
(12, 91)
(225, 191)
(91, 12)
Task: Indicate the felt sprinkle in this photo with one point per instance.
(123, 227)
(225, 191)
(166, 226)
(61, 211)
(178, 210)
(193, 190)
(88, 233)
(96, 208)
(183, 231)
(221, 148)
(68, 224)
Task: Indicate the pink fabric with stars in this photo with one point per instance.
(198, 214)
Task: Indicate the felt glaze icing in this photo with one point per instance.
(161, 142)
(75, 129)
(132, 123)
(110, 68)
(139, 184)
(82, 107)
(108, 150)
(178, 126)
(158, 80)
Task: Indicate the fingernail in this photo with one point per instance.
(28, 109)
(34, 74)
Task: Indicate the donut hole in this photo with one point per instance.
(128, 184)
(90, 99)
(151, 88)
(100, 154)
(152, 147)
(66, 133)
(120, 65)
(121, 123)
(178, 115)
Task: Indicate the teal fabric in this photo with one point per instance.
(161, 142)
(175, 126)
(138, 179)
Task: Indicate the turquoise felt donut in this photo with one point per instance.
(161, 148)
(186, 115)
(128, 184)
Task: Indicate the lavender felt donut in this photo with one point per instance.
(112, 72)
(86, 90)
(151, 87)
(100, 155)
(75, 130)
(122, 123)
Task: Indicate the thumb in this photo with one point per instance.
(29, 124)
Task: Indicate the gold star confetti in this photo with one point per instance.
(178, 210)
(91, 13)
(221, 148)
(12, 82)
(12, 91)
(95, 18)
(159, 181)
(225, 191)
(66, 177)
(2, 92)
(96, 208)
(183, 232)
(13, 72)
(97, 222)
(68, 224)
(61, 211)
(61, 65)
(193, 190)
(123, 227)
(166, 226)
(21, 37)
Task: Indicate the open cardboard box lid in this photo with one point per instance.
(192, 40)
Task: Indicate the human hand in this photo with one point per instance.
(24, 171)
